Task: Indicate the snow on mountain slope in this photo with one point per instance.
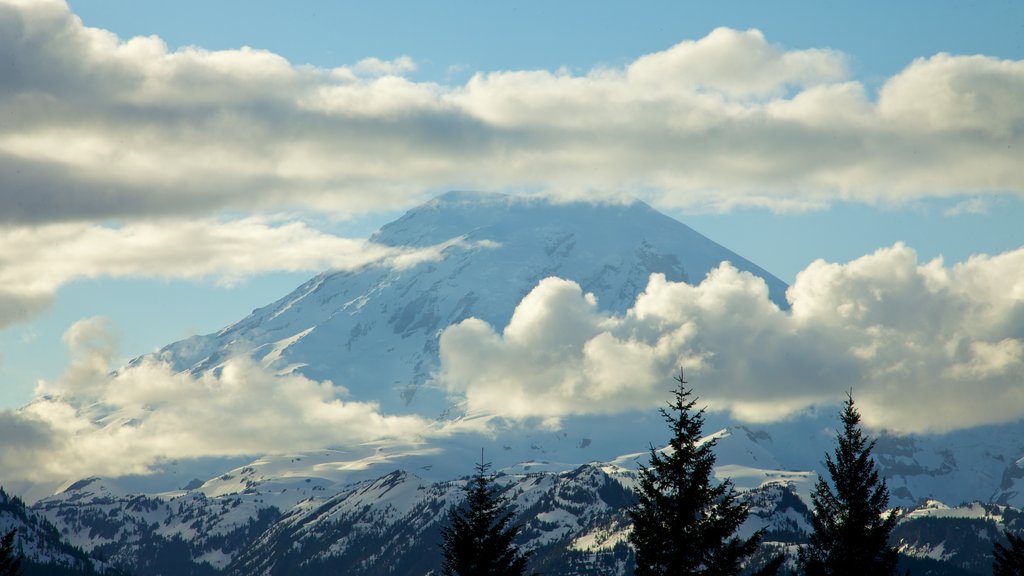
(394, 521)
(973, 464)
(327, 508)
(574, 520)
(40, 544)
(181, 532)
(961, 536)
(375, 331)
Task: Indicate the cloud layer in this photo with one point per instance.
(100, 127)
(924, 347)
(94, 422)
(36, 260)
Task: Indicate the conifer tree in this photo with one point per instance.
(1008, 560)
(10, 560)
(479, 537)
(851, 529)
(684, 522)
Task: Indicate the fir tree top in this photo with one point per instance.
(479, 537)
(851, 528)
(684, 521)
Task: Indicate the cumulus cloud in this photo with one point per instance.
(94, 422)
(36, 260)
(102, 127)
(925, 347)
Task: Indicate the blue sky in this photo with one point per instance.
(416, 59)
(882, 37)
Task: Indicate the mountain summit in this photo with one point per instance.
(375, 330)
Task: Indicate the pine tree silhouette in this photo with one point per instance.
(851, 531)
(478, 539)
(10, 561)
(683, 522)
(1008, 560)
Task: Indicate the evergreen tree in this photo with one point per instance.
(10, 561)
(478, 539)
(683, 522)
(1008, 560)
(851, 534)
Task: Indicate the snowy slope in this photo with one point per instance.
(40, 544)
(574, 521)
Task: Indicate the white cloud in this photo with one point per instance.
(94, 422)
(737, 64)
(947, 92)
(38, 260)
(924, 346)
(99, 127)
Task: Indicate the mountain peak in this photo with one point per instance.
(375, 331)
(468, 196)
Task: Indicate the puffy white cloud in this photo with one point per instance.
(956, 92)
(94, 422)
(737, 64)
(99, 127)
(36, 260)
(925, 347)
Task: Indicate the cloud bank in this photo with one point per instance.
(38, 260)
(925, 347)
(94, 422)
(98, 127)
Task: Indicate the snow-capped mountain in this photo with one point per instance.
(574, 521)
(375, 331)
